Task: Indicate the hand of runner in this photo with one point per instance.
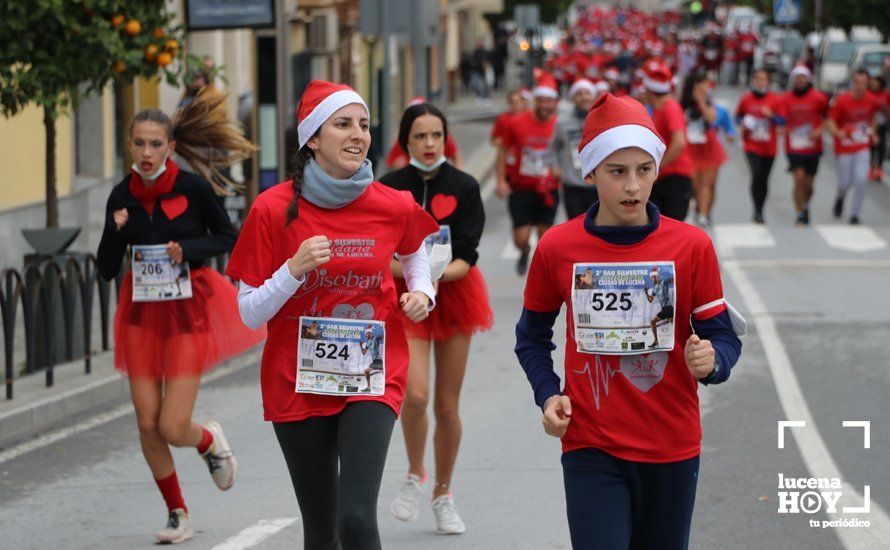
(557, 415)
(416, 306)
(700, 356)
(314, 252)
(502, 189)
(174, 251)
(120, 218)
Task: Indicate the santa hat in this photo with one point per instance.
(419, 100)
(321, 100)
(615, 123)
(612, 74)
(657, 77)
(800, 70)
(582, 84)
(525, 94)
(546, 87)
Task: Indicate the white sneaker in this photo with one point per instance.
(179, 528)
(448, 521)
(406, 505)
(220, 458)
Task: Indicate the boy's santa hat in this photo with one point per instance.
(582, 84)
(546, 87)
(321, 100)
(615, 123)
(657, 77)
(801, 70)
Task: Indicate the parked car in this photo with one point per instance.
(871, 58)
(790, 52)
(834, 70)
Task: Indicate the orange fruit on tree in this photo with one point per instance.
(171, 46)
(164, 59)
(133, 27)
(151, 51)
(119, 66)
(158, 33)
(116, 20)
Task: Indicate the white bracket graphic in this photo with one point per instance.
(788, 424)
(866, 432)
(866, 499)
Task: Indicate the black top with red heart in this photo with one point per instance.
(452, 197)
(191, 215)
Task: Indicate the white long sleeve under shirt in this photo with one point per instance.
(258, 305)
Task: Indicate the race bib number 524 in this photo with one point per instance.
(623, 308)
(341, 356)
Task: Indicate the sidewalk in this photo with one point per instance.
(36, 409)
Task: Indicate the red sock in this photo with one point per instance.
(206, 440)
(169, 487)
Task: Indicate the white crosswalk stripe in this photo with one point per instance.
(852, 238)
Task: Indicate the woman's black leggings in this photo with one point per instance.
(336, 464)
(760, 168)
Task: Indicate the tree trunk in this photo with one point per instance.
(52, 198)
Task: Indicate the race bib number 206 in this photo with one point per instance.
(156, 278)
(623, 308)
(341, 356)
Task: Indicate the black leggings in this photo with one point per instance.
(877, 151)
(338, 499)
(760, 168)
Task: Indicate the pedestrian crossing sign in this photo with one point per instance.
(786, 12)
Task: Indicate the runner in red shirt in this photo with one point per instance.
(530, 189)
(705, 150)
(313, 261)
(673, 188)
(759, 114)
(747, 42)
(877, 86)
(617, 270)
(804, 109)
(518, 102)
(853, 124)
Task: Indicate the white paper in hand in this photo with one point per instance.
(739, 324)
(440, 257)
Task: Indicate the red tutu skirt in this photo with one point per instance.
(180, 337)
(461, 308)
(709, 154)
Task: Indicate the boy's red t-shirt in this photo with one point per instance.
(612, 409)
(355, 284)
(669, 118)
(853, 116)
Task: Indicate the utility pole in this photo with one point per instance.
(283, 81)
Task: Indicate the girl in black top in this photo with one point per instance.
(165, 339)
(462, 308)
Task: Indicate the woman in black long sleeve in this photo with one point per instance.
(176, 318)
(462, 309)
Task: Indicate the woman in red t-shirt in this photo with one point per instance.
(462, 309)
(313, 261)
(705, 150)
(877, 86)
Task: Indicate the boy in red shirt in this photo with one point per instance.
(804, 109)
(617, 268)
(758, 114)
(673, 189)
(530, 188)
(853, 124)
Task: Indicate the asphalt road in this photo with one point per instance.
(818, 320)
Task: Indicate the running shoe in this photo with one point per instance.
(448, 521)
(758, 218)
(522, 262)
(803, 218)
(406, 505)
(838, 207)
(179, 528)
(854, 220)
(220, 458)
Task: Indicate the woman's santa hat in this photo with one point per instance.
(525, 94)
(321, 100)
(546, 87)
(583, 84)
(615, 123)
(657, 77)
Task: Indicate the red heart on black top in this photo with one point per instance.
(174, 206)
(443, 206)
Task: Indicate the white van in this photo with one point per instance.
(835, 53)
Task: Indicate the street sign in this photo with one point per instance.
(786, 12)
(527, 16)
(202, 15)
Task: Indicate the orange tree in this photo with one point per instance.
(56, 52)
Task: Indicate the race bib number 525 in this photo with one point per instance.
(623, 308)
(341, 356)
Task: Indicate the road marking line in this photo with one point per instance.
(804, 263)
(255, 534)
(852, 238)
(118, 412)
(813, 450)
(510, 252)
(743, 235)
